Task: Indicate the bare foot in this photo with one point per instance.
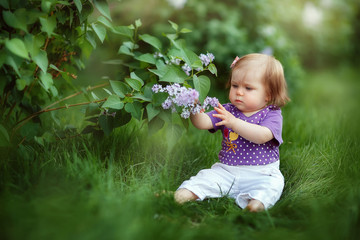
(255, 206)
(183, 195)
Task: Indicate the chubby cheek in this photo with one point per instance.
(232, 96)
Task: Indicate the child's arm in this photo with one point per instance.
(252, 132)
(201, 121)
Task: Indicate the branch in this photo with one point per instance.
(25, 120)
(76, 94)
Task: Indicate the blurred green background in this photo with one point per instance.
(303, 35)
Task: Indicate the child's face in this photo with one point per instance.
(247, 91)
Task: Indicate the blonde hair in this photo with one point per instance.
(273, 75)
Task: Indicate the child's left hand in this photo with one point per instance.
(227, 118)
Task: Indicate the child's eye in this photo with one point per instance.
(234, 86)
(248, 88)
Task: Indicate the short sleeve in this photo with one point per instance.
(274, 122)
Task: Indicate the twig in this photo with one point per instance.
(76, 94)
(25, 120)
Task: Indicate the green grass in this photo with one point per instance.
(107, 188)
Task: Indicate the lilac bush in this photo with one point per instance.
(184, 98)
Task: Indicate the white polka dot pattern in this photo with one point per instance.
(244, 152)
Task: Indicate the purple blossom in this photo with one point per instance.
(175, 61)
(211, 56)
(185, 98)
(213, 102)
(156, 88)
(158, 55)
(185, 114)
(187, 69)
(206, 59)
(167, 104)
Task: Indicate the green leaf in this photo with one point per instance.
(159, 98)
(14, 62)
(94, 96)
(4, 4)
(185, 30)
(107, 91)
(162, 68)
(153, 41)
(147, 57)
(105, 22)
(99, 30)
(212, 69)
(41, 60)
(135, 109)
(152, 111)
(125, 50)
(185, 54)
(138, 23)
(103, 8)
(90, 36)
(189, 56)
(34, 43)
(141, 97)
(119, 88)
(46, 6)
(17, 47)
(4, 137)
(87, 10)
(53, 90)
(16, 20)
(202, 85)
(107, 124)
(124, 31)
(134, 83)
(20, 84)
(134, 76)
(48, 24)
(174, 25)
(92, 109)
(113, 102)
(46, 80)
(55, 68)
(155, 125)
(121, 118)
(174, 74)
(78, 5)
(197, 64)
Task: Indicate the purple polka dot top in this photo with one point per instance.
(236, 150)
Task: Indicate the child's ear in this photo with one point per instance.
(267, 98)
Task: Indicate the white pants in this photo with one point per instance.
(243, 183)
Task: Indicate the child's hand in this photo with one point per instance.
(227, 118)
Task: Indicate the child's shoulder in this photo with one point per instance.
(273, 107)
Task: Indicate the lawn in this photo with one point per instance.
(118, 187)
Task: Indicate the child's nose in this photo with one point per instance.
(240, 91)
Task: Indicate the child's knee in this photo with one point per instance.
(183, 195)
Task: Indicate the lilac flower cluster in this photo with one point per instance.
(185, 98)
(206, 59)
